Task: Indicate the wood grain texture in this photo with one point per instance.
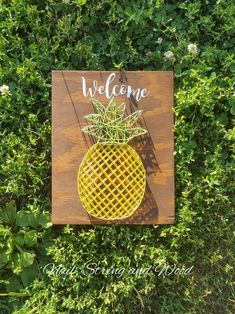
(69, 144)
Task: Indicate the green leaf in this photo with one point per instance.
(14, 284)
(26, 258)
(33, 219)
(81, 2)
(232, 104)
(44, 220)
(19, 238)
(8, 215)
(5, 257)
(22, 259)
(29, 274)
(30, 238)
(22, 218)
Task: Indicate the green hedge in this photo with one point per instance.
(39, 36)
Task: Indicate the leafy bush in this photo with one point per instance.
(38, 36)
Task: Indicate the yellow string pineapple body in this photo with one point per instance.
(111, 177)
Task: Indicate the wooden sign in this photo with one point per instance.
(151, 91)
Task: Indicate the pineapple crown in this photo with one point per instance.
(110, 125)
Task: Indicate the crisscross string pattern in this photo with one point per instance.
(111, 181)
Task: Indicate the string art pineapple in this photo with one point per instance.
(111, 177)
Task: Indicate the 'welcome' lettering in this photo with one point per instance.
(111, 91)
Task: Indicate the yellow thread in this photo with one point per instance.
(111, 181)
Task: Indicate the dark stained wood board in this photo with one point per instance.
(69, 144)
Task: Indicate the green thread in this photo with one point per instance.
(109, 124)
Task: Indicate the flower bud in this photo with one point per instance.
(4, 89)
(192, 48)
(169, 55)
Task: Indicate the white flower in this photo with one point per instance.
(159, 40)
(169, 55)
(192, 48)
(4, 89)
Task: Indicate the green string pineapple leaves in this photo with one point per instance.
(110, 125)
